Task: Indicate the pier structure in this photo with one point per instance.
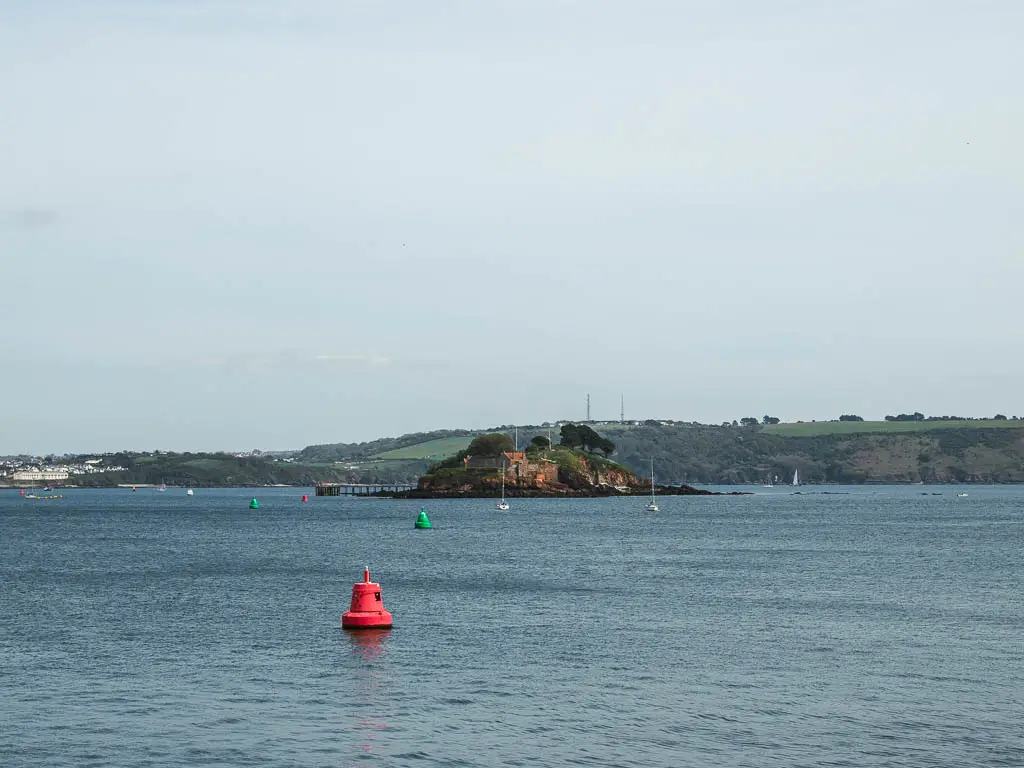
(359, 489)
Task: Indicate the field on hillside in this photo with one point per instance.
(817, 428)
(432, 449)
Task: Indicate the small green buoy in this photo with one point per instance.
(423, 521)
(254, 504)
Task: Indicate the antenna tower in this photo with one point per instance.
(622, 409)
(588, 406)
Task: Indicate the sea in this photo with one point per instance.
(812, 626)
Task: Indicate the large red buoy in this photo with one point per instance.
(305, 498)
(367, 609)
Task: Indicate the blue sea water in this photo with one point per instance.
(861, 627)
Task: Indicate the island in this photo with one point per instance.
(493, 467)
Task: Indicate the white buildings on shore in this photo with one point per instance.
(49, 474)
(35, 470)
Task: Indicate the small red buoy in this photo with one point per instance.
(367, 609)
(21, 492)
(305, 498)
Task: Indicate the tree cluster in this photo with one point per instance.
(493, 444)
(916, 416)
(582, 436)
(850, 417)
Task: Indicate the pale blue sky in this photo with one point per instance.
(268, 224)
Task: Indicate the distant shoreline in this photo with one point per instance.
(670, 490)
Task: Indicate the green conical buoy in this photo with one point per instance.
(423, 521)
(254, 504)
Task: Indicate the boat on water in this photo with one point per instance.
(796, 477)
(162, 488)
(503, 505)
(652, 505)
(190, 492)
(961, 495)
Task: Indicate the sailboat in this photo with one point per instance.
(796, 477)
(652, 505)
(503, 505)
(189, 492)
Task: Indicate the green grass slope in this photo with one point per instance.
(434, 450)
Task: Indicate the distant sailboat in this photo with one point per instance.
(652, 505)
(162, 487)
(796, 477)
(503, 505)
(189, 492)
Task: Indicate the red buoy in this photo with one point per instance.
(367, 609)
(305, 498)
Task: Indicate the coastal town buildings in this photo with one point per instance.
(33, 470)
(40, 475)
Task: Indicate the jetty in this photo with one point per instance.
(360, 489)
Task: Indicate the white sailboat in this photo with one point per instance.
(796, 477)
(652, 505)
(503, 505)
(189, 492)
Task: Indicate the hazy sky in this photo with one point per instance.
(268, 224)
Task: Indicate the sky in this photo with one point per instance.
(230, 225)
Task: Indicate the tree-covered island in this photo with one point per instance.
(571, 468)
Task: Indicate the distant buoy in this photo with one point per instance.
(305, 498)
(367, 608)
(423, 521)
(21, 492)
(133, 489)
(254, 504)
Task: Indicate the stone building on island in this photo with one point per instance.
(519, 469)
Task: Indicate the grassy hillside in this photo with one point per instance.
(356, 451)
(816, 428)
(706, 454)
(212, 470)
(434, 450)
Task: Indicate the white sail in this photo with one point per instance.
(652, 505)
(796, 477)
(503, 505)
